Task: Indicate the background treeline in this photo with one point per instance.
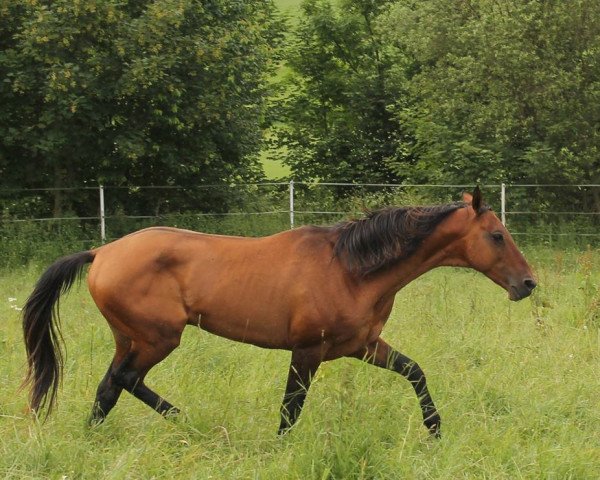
(446, 91)
(133, 93)
(200, 92)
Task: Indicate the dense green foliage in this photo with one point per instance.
(504, 91)
(129, 93)
(446, 91)
(516, 384)
(98, 91)
(336, 122)
(195, 93)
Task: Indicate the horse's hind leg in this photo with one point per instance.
(108, 390)
(380, 354)
(106, 397)
(132, 371)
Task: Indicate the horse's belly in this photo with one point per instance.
(246, 330)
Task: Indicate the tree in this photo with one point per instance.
(336, 124)
(141, 92)
(501, 91)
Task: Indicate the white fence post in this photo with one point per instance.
(102, 216)
(291, 204)
(503, 203)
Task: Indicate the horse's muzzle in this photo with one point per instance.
(523, 289)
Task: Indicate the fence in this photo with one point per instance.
(544, 212)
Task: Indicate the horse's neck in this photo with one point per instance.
(442, 248)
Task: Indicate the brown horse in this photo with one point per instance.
(321, 292)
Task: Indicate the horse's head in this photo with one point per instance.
(489, 248)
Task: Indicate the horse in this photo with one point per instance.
(320, 292)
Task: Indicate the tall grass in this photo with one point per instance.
(517, 385)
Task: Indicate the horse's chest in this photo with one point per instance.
(375, 321)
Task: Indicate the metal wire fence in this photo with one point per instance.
(91, 215)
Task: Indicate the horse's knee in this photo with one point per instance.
(411, 371)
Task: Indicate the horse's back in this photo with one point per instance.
(153, 261)
(247, 289)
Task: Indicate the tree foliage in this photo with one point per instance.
(446, 91)
(175, 92)
(139, 92)
(336, 124)
(501, 91)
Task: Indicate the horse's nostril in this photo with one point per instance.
(530, 283)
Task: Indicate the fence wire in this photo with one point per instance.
(98, 214)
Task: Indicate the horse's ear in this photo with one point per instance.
(467, 198)
(477, 201)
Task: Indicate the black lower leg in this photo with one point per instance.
(380, 354)
(414, 374)
(302, 368)
(131, 381)
(152, 399)
(293, 401)
(106, 397)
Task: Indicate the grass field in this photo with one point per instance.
(517, 384)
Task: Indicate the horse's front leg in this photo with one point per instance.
(303, 366)
(380, 354)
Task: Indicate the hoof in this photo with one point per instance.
(96, 418)
(171, 413)
(433, 423)
(435, 431)
(95, 421)
(284, 428)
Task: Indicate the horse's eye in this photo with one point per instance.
(498, 237)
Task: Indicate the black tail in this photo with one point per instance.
(41, 327)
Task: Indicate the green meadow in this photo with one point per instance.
(517, 384)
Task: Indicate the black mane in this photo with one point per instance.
(387, 236)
